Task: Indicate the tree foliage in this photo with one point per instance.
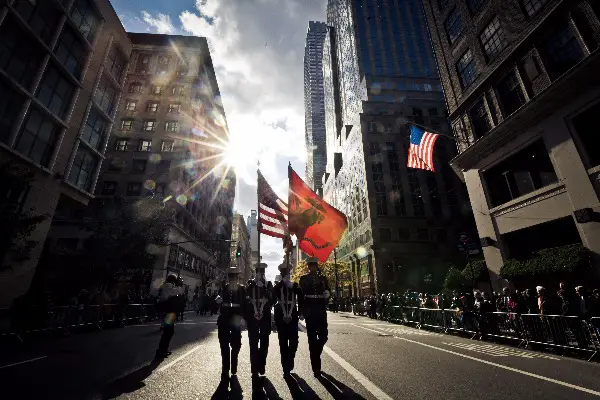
(479, 271)
(16, 223)
(564, 260)
(345, 274)
(455, 280)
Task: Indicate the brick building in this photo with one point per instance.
(241, 238)
(522, 85)
(62, 68)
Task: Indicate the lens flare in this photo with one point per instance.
(169, 197)
(149, 184)
(182, 199)
(361, 252)
(155, 158)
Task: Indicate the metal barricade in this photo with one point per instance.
(503, 325)
(411, 315)
(461, 321)
(432, 318)
(396, 315)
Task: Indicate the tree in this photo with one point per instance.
(16, 224)
(455, 280)
(476, 271)
(345, 274)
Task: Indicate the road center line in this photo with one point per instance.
(356, 374)
(175, 361)
(23, 362)
(518, 371)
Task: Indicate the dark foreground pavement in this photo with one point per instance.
(364, 359)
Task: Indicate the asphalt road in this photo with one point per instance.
(363, 359)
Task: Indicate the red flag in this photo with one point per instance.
(317, 225)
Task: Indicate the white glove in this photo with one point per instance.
(219, 300)
(326, 294)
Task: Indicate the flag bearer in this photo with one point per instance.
(258, 319)
(313, 305)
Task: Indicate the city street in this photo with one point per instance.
(363, 359)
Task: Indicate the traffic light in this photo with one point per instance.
(238, 252)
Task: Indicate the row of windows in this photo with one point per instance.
(163, 65)
(153, 106)
(149, 125)
(386, 235)
(133, 188)
(138, 87)
(143, 145)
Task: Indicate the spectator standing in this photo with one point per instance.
(531, 302)
(169, 303)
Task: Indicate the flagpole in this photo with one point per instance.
(258, 219)
(437, 133)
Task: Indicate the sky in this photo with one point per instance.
(257, 48)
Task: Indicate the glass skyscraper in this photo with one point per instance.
(379, 76)
(314, 109)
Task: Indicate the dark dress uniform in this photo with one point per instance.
(315, 296)
(258, 319)
(229, 325)
(286, 320)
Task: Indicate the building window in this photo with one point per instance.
(71, 51)
(510, 93)
(42, 17)
(85, 18)
(404, 234)
(480, 119)
(38, 137)
(127, 125)
(139, 165)
(528, 170)
(152, 106)
(381, 204)
(95, 129)
(105, 96)
(143, 64)
(163, 166)
(183, 66)
(533, 6)
(109, 188)
(135, 87)
(415, 193)
(130, 105)
(162, 66)
(116, 165)
(434, 196)
(55, 92)
(134, 188)
(493, 39)
(174, 108)
(83, 169)
(476, 5)
(453, 25)
(172, 126)
(562, 49)
(157, 89)
(121, 145)
(166, 146)
(149, 126)
(20, 56)
(10, 105)
(178, 91)
(422, 234)
(467, 70)
(116, 63)
(145, 145)
(586, 128)
(385, 235)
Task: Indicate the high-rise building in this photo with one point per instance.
(314, 111)
(253, 228)
(379, 76)
(240, 239)
(168, 123)
(523, 90)
(62, 69)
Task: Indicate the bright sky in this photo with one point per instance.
(257, 47)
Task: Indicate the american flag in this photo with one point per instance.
(420, 152)
(272, 211)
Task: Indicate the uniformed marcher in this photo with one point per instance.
(230, 322)
(169, 300)
(313, 305)
(286, 294)
(258, 319)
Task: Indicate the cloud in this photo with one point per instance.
(161, 23)
(257, 48)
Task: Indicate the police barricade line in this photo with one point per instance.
(432, 318)
(411, 315)
(461, 321)
(504, 325)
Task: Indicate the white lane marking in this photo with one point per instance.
(356, 374)
(189, 353)
(518, 371)
(23, 362)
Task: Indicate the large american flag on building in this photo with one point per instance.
(420, 152)
(272, 211)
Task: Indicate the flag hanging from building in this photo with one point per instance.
(272, 211)
(420, 151)
(317, 225)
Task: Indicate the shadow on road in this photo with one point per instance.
(337, 389)
(229, 390)
(130, 382)
(299, 389)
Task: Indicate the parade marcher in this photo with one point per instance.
(258, 319)
(287, 294)
(313, 306)
(230, 322)
(169, 302)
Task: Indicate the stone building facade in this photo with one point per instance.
(522, 86)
